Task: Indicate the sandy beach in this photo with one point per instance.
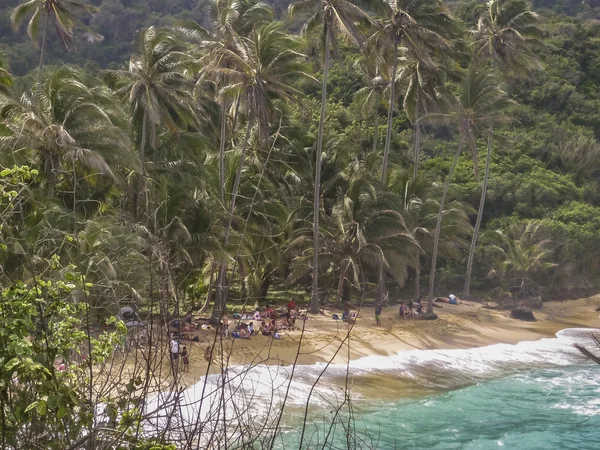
(465, 325)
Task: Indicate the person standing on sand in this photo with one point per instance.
(174, 351)
(186, 359)
(378, 310)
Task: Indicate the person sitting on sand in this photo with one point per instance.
(269, 312)
(418, 306)
(208, 353)
(240, 333)
(251, 328)
(257, 315)
(264, 330)
(402, 311)
(452, 299)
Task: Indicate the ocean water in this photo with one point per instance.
(534, 395)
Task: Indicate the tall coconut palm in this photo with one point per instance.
(62, 13)
(230, 20)
(422, 95)
(371, 96)
(70, 123)
(331, 17)
(262, 68)
(420, 27)
(478, 105)
(506, 33)
(417, 199)
(157, 89)
(521, 257)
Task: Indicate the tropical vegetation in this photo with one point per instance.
(199, 156)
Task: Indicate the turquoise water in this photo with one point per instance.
(534, 395)
(543, 409)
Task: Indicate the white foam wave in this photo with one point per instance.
(258, 392)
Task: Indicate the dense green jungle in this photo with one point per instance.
(218, 154)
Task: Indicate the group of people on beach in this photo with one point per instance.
(271, 322)
(411, 309)
(176, 354)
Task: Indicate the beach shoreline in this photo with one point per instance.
(468, 325)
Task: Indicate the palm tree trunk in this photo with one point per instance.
(341, 284)
(488, 157)
(438, 228)
(381, 282)
(417, 283)
(222, 152)
(220, 300)
(42, 54)
(210, 287)
(417, 134)
(141, 184)
(235, 116)
(314, 303)
(375, 131)
(388, 137)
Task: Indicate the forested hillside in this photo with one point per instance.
(544, 162)
(204, 156)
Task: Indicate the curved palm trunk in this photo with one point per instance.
(488, 157)
(375, 131)
(417, 132)
(438, 229)
(222, 153)
(388, 137)
(314, 302)
(220, 300)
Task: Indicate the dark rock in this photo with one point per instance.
(439, 300)
(598, 308)
(428, 316)
(522, 313)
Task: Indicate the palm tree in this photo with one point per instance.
(331, 16)
(157, 89)
(71, 123)
(420, 28)
(261, 68)
(521, 257)
(476, 107)
(364, 232)
(64, 15)
(5, 78)
(422, 95)
(370, 96)
(231, 20)
(506, 34)
(417, 201)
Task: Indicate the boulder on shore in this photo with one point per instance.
(522, 313)
(428, 316)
